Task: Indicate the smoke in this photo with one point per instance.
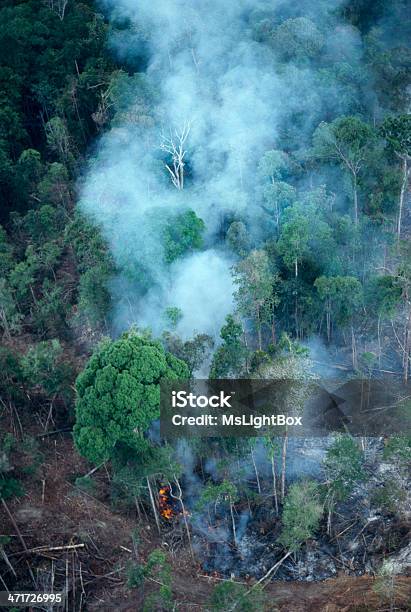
(208, 69)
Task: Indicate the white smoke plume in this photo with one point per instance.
(207, 72)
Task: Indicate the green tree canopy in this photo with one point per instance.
(118, 393)
(301, 515)
(182, 233)
(228, 360)
(343, 466)
(346, 140)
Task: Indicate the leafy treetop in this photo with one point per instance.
(118, 393)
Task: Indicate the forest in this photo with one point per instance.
(202, 190)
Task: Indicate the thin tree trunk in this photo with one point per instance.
(137, 505)
(353, 349)
(256, 472)
(355, 198)
(379, 340)
(13, 522)
(233, 522)
(260, 343)
(283, 463)
(328, 317)
(274, 483)
(270, 572)
(180, 499)
(246, 353)
(153, 504)
(402, 195)
(329, 517)
(407, 347)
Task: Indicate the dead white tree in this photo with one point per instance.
(175, 145)
(58, 6)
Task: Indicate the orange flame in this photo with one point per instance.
(166, 509)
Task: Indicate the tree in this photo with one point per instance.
(58, 139)
(12, 379)
(297, 39)
(397, 133)
(235, 596)
(9, 486)
(346, 140)
(45, 368)
(238, 239)
(6, 253)
(10, 317)
(255, 295)
(118, 394)
(343, 467)
(272, 445)
(292, 366)
(193, 352)
(342, 296)
(94, 299)
(382, 295)
(403, 281)
(293, 244)
(54, 187)
(175, 145)
(172, 316)
(49, 312)
(228, 360)
(275, 165)
(183, 233)
(225, 493)
(277, 197)
(301, 515)
(158, 570)
(41, 224)
(387, 586)
(59, 7)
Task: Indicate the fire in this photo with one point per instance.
(165, 503)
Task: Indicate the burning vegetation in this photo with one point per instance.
(166, 503)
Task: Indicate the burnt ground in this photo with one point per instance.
(97, 547)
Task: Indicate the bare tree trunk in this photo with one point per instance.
(283, 464)
(273, 334)
(233, 522)
(247, 365)
(379, 340)
(270, 572)
(353, 349)
(355, 188)
(407, 347)
(402, 194)
(137, 505)
(329, 516)
(260, 343)
(180, 499)
(153, 504)
(274, 483)
(174, 145)
(328, 318)
(13, 522)
(256, 472)
(297, 327)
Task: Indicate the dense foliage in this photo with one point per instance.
(110, 218)
(119, 396)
